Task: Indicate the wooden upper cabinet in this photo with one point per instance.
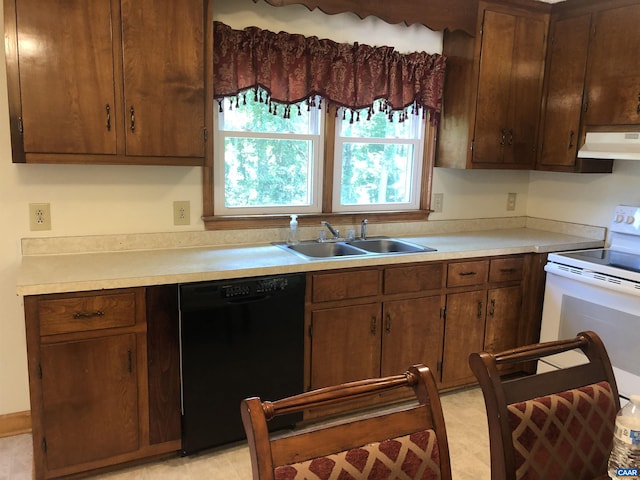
(613, 76)
(106, 81)
(493, 89)
(66, 76)
(509, 89)
(163, 70)
(564, 89)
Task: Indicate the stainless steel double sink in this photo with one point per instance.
(374, 246)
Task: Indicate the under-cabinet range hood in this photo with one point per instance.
(611, 145)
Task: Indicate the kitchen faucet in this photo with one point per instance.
(334, 232)
(363, 229)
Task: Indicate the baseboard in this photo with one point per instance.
(15, 423)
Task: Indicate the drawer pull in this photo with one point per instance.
(507, 270)
(85, 315)
(467, 274)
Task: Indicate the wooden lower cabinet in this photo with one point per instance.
(434, 313)
(89, 381)
(464, 334)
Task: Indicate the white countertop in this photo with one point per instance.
(71, 272)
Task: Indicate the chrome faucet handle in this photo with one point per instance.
(334, 232)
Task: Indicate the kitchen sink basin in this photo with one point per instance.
(374, 246)
(389, 245)
(323, 250)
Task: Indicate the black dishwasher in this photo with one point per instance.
(238, 338)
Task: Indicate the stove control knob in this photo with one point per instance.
(630, 220)
(619, 218)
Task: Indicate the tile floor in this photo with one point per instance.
(464, 416)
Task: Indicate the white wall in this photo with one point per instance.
(95, 200)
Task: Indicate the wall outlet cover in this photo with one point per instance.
(182, 212)
(39, 216)
(436, 204)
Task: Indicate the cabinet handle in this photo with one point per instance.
(108, 108)
(510, 137)
(129, 361)
(374, 320)
(133, 118)
(467, 274)
(638, 107)
(388, 325)
(87, 315)
(479, 309)
(493, 307)
(503, 136)
(507, 270)
(571, 135)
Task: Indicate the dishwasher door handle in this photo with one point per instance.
(244, 300)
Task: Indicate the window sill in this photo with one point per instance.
(215, 222)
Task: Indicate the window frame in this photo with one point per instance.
(229, 222)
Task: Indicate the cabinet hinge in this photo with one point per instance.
(443, 313)
(310, 330)
(39, 371)
(473, 142)
(585, 106)
(20, 126)
(43, 444)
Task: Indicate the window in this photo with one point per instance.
(377, 163)
(267, 164)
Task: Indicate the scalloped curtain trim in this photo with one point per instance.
(284, 69)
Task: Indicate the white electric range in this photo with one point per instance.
(599, 290)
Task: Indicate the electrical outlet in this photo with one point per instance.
(436, 204)
(182, 212)
(39, 216)
(511, 201)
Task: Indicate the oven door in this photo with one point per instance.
(573, 304)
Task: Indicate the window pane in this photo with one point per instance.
(256, 117)
(379, 126)
(267, 172)
(376, 173)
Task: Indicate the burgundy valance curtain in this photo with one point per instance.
(291, 68)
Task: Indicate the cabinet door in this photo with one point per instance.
(492, 114)
(613, 79)
(65, 54)
(464, 334)
(90, 399)
(345, 344)
(566, 67)
(504, 307)
(412, 333)
(526, 90)
(163, 77)
(509, 88)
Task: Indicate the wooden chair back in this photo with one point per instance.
(407, 438)
(558, 424)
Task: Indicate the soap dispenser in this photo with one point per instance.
(292, 239)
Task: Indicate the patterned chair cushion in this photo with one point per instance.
(567, 435)
(412, 457)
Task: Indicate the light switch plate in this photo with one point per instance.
(511, 201)
(436, 204)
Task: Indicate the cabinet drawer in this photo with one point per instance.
(80, 314)
(327, 287)
(414, 278)
(506, 269)
(467, 273)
